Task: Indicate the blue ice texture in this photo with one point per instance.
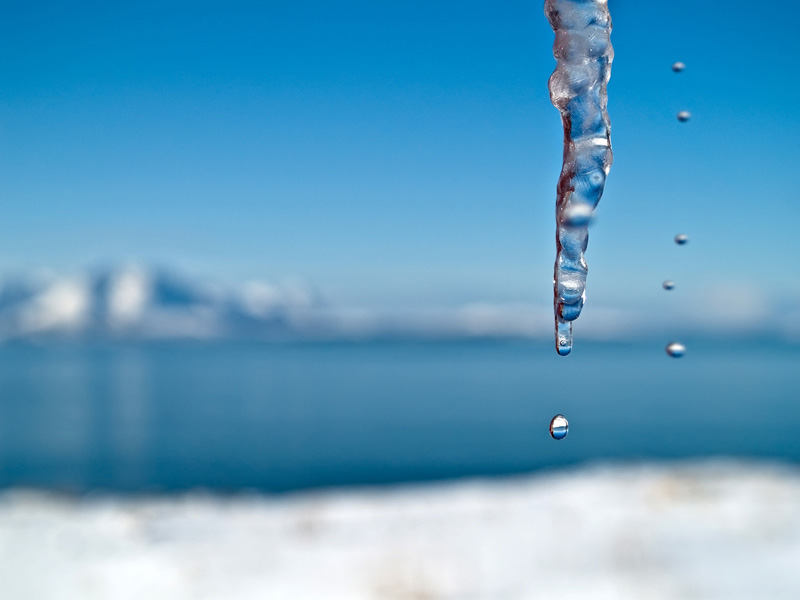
(578, 85)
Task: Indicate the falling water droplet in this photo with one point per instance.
(681, 239)
(676, 350)
(668, 285)
(559, 427)
(684, 116)
(678, 66)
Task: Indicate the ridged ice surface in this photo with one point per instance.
(578, 89)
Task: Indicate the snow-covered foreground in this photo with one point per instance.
(711, 530)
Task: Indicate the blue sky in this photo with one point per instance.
(398, 153)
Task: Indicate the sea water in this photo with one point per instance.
(283, 417)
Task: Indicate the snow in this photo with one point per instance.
(129, 291)
(64, 305)
(710, 530)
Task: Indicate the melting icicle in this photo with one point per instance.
(578, 90)
(563, 336)
(559, 427)
(678, 67)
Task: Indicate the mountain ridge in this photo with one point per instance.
(136, 302)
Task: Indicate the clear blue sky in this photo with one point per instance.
(396, 152)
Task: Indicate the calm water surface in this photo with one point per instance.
(277, 418)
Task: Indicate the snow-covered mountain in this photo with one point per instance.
(139, 303)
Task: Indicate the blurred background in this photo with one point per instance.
(259, 258)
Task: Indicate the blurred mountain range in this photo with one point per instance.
(140, 303)
(134, 302)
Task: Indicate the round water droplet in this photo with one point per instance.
(559, 427)
(684, 116)
(668, 285)
(678, 66)
(681, 239)
(676, 350)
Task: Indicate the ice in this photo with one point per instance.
(583, 52)
(717, 531)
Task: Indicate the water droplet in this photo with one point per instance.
(668, 285)
(678, 66)
(676, 350)
(559, 427)
(681, 239)
(684, 116)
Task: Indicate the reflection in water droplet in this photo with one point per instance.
(676, 350)
(678, 67)
(559, 427)
(668, 285)
(681, 239)
(684, 116)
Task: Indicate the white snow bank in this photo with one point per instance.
(713, 530)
